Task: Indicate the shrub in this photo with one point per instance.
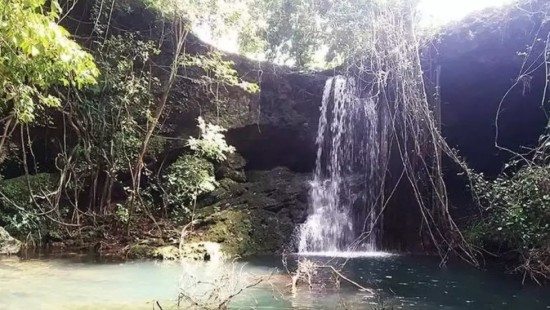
(517, 218)
(187, 178)
(518, 208)
(18, 208)
(192, 175)
(211, 144)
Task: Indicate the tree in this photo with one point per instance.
(36, 53)
(181, 17)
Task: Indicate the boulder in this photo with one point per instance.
(258, 217)
(194, 251)
(232, 168)
(202, 251)
(8, 244)
(227, 188)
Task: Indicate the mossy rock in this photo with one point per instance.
(257, 217)
(245, 232)
(201, 251)
(232, 168)
(167, 252)
(141, 251)
(195, 251)
(226, 189)
(8, 244)
(192, 251)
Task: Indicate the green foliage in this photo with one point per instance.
(517, 215)
(291, 30)
(211, 143)
(114, 118)
(219, 17)
(518, 209)
(110, 118)
(18, 208)
(192, 175)
(104, 124)
(123, 100)
(37, 53)
(122, 213)
(187, 178)
(218, 70)
(302, 33)
(240, 20)
(317, 34)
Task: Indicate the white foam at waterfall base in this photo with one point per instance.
(345, 254)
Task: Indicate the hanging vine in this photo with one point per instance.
(389, 70)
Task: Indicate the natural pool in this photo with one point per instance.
(404, 282)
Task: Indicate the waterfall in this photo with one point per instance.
(348, 176)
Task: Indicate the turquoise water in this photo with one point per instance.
(399, 281)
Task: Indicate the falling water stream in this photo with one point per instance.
(344, 199)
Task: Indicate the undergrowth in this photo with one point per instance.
(515, 219)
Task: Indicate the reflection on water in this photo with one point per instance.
(403, 282)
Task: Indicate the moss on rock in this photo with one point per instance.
(192, 251)
(245, 232)
(195, 251)
(244, 219)
(257, 217)
(141, 251)
(202, 251)
(167, 252)
(227, 188)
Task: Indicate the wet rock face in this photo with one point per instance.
(276, 127)
(232, 168)
(481, 58)
(286, 122)
(8, 244)
(256, 217)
